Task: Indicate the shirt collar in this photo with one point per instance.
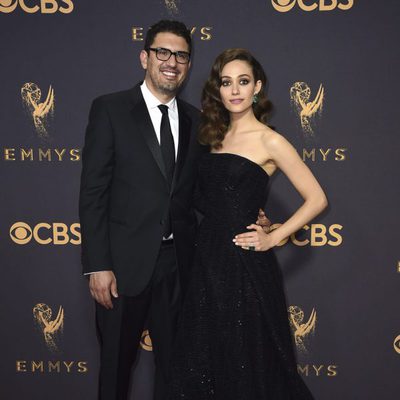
(152, 101)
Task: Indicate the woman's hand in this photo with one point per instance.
(256, 240)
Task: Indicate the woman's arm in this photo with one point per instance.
(283, 154)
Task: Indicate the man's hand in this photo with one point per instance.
(263, 221)
(102, 285)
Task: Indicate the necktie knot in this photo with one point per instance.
(164, 109)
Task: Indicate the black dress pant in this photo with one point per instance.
(120, 329)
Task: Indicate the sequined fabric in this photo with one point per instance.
(233, 339)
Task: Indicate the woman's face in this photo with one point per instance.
(238, 86)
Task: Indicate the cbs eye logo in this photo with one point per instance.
(145, 341)
(43, 233)
(21, 233)
(322, 5)
(396, 344)
(42, 6)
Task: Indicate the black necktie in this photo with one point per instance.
(168, 153)
(167, 143)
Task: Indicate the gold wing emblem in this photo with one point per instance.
(300, 94)
(50, 328)
(172, 6)
(31, 96)
(301, 330)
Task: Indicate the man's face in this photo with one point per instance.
(165, 77)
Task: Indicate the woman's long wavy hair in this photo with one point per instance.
(215, 117)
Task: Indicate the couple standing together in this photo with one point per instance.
(211, 294)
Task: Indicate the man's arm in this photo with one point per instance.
(97, 169)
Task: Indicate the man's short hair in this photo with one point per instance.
(176, 27)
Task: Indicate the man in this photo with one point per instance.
(138, 224)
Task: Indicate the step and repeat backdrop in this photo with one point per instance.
(333, 79)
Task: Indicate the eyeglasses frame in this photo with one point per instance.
(175, 53)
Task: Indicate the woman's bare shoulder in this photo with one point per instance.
(272, 139)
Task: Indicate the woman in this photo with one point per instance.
(234, 340)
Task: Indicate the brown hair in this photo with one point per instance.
(176, 27)
(215, 118)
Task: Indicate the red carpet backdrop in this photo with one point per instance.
(333, 72)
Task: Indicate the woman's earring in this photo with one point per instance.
(255, 98)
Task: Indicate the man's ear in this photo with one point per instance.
(143, 58)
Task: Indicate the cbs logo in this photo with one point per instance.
(43, 233)
(45, 7)
(318, 235)
(322, 5)
(145, 341)
(396, 344)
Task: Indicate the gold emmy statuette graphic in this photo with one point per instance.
(301, 330)
(396, 344)
(172, 6)
(145, 341)
(300, 94)
(50, 328)
(31, 96)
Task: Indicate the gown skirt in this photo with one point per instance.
(233, 340)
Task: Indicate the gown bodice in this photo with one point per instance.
(231, 187)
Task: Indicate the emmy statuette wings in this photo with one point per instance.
(301, 330)
(50, 328)
(31, 96)
(300, 94)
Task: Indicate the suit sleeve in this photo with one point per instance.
(97, 169)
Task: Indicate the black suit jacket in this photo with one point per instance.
(125, 196)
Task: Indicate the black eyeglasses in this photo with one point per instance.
(181, 57)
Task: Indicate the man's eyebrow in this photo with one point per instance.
(177, 51)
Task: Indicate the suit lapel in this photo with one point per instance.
(143, 123)
(184, 137)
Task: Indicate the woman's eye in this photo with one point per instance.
(225, 83)
(244, 81)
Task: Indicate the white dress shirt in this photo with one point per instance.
(152, 104)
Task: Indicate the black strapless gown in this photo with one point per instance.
(233, 340)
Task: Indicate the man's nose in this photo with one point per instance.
(172, 61)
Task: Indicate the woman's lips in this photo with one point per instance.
(236, 101)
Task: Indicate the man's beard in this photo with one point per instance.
(164, 86)
(168, 88)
